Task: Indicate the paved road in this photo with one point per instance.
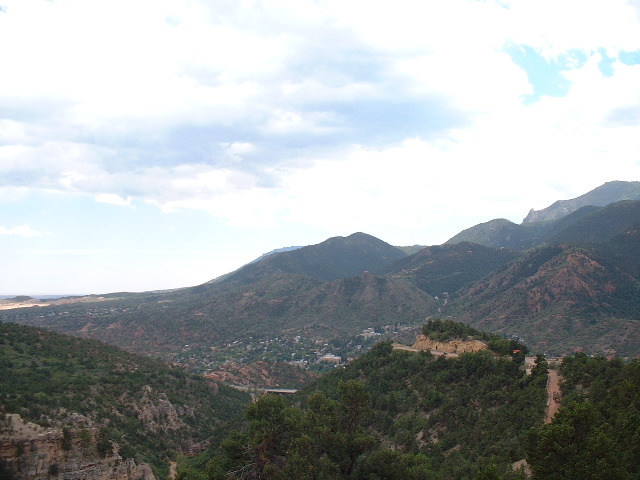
(263, 390)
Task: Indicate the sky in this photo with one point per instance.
(156, 144)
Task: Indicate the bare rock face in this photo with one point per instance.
(156, 412)
(452, 346)
(262, 374)
(31, 452)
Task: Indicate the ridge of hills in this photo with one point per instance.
(341, 295)
(609, 192)
(285, 314)
(333, 259)
(545, 225)
(445, 269)
(601, 224)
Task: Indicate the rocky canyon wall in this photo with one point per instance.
(31, 452)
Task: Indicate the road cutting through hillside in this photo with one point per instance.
(553, 394)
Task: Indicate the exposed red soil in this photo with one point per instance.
(553, 392)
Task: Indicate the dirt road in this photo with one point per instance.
(553, 392)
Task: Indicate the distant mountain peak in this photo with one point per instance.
(334, 258)
(609, 192)
(543, 225)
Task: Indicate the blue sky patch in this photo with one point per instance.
(630, 58)
(545, 76)
(606, 64)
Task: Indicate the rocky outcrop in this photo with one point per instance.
(605, 194)
(262, 374)
(155, 411)
(31, 452)
(453, 346)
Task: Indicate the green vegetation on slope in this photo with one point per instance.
(596, 433)
(501, 232)
(151, 410)
(556, 297)
(446, 269)
(561, 297)
(444, 330)
(574, 222)
(603, 224)
(272, 311)
(391, 414)
(335, 258)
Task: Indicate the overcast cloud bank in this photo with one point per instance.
(291, 121)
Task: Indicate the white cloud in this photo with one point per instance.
(13, 194)
(113, 199)
(403, 119)
(324, 113)
(236, 152)
(291, 122)
(52, 165)
(558, 27)
(20, 231)
(12, 132)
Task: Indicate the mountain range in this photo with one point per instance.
(567, 278)
(610, 192)
(547, 224)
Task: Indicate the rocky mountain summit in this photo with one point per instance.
(605, 194)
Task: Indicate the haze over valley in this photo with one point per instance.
(563, 283)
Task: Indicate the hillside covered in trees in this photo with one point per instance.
(596, 433)
(397, 414)
(390, 414)
(393, 414)
(150, 410)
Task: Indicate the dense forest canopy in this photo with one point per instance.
(596, 434)
(151, 410)
(391, 414)
(395, 414)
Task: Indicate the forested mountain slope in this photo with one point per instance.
(596, 433)
(445, 269)
(562, 297)
(501, 233)
(564, 294)
(602, 224)
(152, 411)
(335, 258)
(393, 414)
(279, 306)
(400, 415)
